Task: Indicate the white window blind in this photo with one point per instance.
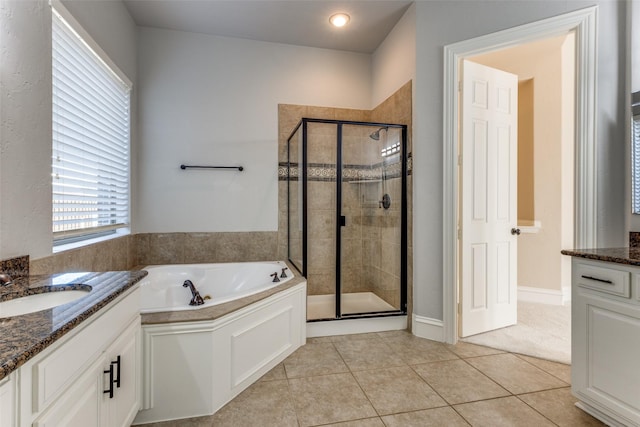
(91, 120)
(635, 159)
(635, 152)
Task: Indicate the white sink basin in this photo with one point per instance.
(38, 302)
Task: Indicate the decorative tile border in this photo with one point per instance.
(326, 172)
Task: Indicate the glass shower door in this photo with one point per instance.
(370, 215)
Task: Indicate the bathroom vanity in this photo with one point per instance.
(77, 364)
(605, 333)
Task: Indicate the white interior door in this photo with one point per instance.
(488, 208)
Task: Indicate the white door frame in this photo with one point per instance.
(584, 23)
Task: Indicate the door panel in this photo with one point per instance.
(479, 285)
(479, 170)
(488, 208)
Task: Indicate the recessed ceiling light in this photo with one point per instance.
(339, 19)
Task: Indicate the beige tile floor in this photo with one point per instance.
(395, 379)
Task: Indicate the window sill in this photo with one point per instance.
(82, 243)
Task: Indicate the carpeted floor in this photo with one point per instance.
(542, 331)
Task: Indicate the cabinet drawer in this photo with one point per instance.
(603, 279)
(61, 367)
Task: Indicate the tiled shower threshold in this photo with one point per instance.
(323, 306)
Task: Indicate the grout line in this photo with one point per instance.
(292, 400)
(550, 361)
(543, 415)
(460, 415)
(514, 394)
(383, 340)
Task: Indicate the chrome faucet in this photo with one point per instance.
(196, 298)
(5, 279)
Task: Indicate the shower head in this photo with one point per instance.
(376, 135)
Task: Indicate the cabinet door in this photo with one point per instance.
(606, 352)
(124, 404)
(7, 402)
(80, 405)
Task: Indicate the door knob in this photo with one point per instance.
(515, 231)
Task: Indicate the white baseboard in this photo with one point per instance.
(425, 327)
(544, 296)
(597, 413)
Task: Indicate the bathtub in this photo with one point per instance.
(198, 358)
(162, 290)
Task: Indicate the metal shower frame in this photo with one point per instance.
(302, 177)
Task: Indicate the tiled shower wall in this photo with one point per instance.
(372, 233)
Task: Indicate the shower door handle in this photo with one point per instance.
(343, 221)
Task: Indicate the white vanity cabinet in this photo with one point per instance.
(126, 353)
(7, 401)
(91, 378)
(605, 368)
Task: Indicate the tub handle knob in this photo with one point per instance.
(283, 275)
(275, 277)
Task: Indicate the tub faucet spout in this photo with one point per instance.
(196, 299)
(5, 280)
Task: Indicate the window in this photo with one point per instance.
(635, 152)
(91, 122)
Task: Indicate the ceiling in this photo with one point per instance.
(297, 22)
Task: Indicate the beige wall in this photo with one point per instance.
(548, 64)
(526, 196)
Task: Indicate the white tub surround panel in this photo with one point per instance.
(194, 368)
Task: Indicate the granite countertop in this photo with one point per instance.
(629, 255)
(25, 336)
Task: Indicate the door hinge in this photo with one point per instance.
(460, 160)
(459, 233)
(459, 85)
(459, 308)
